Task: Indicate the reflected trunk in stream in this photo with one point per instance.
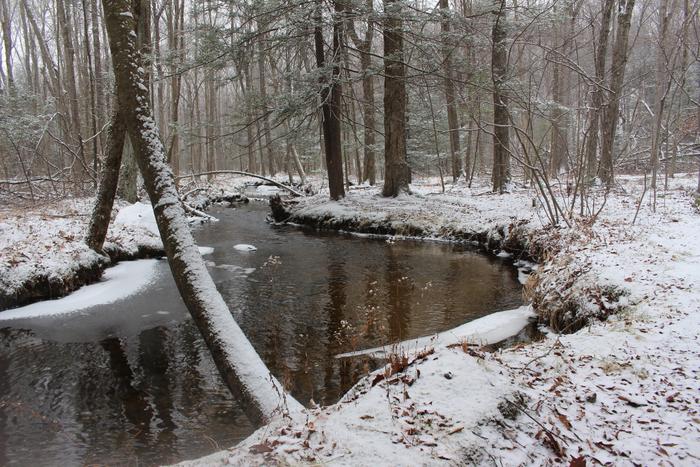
(335, 309)
(398, 298)
(135, 407)
(155, 358)
(133, 382)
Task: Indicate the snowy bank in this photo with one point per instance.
(43, 255)
(623, 391)
(117, 283)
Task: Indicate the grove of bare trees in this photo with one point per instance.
(541, 92)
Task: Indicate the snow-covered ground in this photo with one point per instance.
(45, 242)
(624, 391)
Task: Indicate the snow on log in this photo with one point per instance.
(247, 174)
(490, 329)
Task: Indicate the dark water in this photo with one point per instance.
(131, 382)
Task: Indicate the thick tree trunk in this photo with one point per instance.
(330, 105)
(501, 124)
(612, 111)
(247, 377)
(397, 173)
(128, 174)
(99, 222)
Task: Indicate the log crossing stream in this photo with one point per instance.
(130, 382)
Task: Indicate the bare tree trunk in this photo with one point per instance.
(246, 375)
(450, 94)
(365, 48)
(7, 41)
(209, 104)
(99, 222)
(250, 138)
(397, 173)
(100, 108)
(175, 25)
(594, 113)
(29, 55)
(501, 130)
(265, 117)
(612, 111)
(69, 68)
(663, 82)
(330, 104)
(91, 83)
(558, 135)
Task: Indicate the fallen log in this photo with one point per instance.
(247, 174)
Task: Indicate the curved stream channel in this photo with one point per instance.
(132, 382)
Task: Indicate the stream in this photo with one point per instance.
(131, 382)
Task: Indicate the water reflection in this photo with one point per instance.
(132, 382)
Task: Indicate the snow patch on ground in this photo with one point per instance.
(118, 282)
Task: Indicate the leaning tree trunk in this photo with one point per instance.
(397, 174)
(99, 222)
(244, 372)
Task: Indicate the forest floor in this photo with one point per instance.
(619, 391)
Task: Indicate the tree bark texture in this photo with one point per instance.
(246, 375)
(450, 93)
(330, 105)
(397, 173)
(594, 112)
(501, 124)
(612, 111)
(107, 189)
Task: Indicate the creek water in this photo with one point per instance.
(132, 383)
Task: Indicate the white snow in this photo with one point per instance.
(118, 282)
(624, 391)
(267, 189)
(140, 214)
(244, 247)
(489, 329)
(206, 250)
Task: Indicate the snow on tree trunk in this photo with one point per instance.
(261, 395)
(99, 222)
